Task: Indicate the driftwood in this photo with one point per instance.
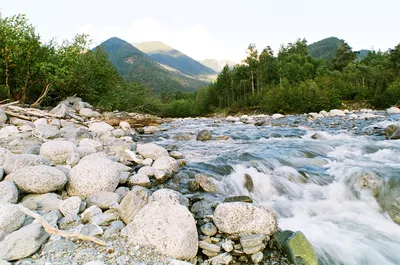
(44, 93)
(51, 230)
(16, 115)
(4, 106)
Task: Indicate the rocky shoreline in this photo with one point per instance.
(90, 173)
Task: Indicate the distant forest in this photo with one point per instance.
(298, 79)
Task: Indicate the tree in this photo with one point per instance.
(252, 61)
(344, 56)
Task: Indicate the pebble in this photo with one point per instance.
(209, 229)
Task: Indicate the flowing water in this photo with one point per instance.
(313, 184)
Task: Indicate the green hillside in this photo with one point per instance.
(174, 59)
(134, 65)
(326, 48)
(217, 65)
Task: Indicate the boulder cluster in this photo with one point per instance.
(82, 175)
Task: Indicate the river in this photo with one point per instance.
(309, 172)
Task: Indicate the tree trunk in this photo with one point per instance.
(252, 82)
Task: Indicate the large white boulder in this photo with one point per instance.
(39, 179)
(11, 218)
(151, 150)
(100, 127)
(166, 163)
(57, 151)
(240, 218)
(131, 204)
(169, 196)
(93, 175)
(170, 228)
(8, 191)
(393, 110)
(15, 162)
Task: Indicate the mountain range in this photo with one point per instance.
(165, 69)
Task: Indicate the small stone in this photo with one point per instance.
(252, 240)
(70, 206)
(224, 259)
(176, 154)
(248, 183)
(207, 183)
(89, 213)
(209, 247)
(139, 179)
(209, 253)
(194, 185)
(253, 249)
(151, 150)
(104, 218)
(257, 257)
(227, 245)
(69, 222)
(209, 229)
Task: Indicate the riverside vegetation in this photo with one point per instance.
(293, 81)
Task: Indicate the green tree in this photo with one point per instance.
(344, 56)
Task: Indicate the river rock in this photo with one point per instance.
(170, 228)
(206, 183)
(27, 240)
(8, 191)
(4, 154)
(60, 110)
(244, 218)
(393, 110)
(57, 151)
(103, 199)
(183, 137)
(39, 179)
(93, 175)
(209, 229)
(169, 196)
(166, 163)
(15, 162)
(3, 116)
(100, 128)
(47, 131)
(151, 150)
(43, 202)
(70, 206)
(89, 213)
(299, 250)
(11, 218)
(204, 135)
(86, 112)
(140, 180)
(132, 203)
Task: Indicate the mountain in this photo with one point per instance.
(326, 48)
(175, 60)
(217, 65)
(134, 65)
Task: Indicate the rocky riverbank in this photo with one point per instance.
(92, 174)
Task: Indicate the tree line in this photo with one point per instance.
(291, 81)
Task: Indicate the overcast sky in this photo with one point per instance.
(219, 29)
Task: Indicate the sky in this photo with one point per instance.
(216, 29)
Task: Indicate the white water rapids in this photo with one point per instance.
(312, 184)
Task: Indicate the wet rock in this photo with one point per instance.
(204, 135)
(57, 151)
(103, 199)
(370, 182)
(11, 218)
(391, 129)
(395, 135)
(170, 228)
(70, 206)
(222, 138)
(152, 151)
(201, 209)
(248, 182)
(209, 229)
(299, 250)
(245, 218)
(39, 179)
(132, 203)
(15, 162)
(27, 240)
(170, 197)
(241, 198)
(8, 192)
(166, 163)
(194, 185)
(183, 137)
(206, 183)
(93, 175)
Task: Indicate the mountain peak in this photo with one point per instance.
(151, 47)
